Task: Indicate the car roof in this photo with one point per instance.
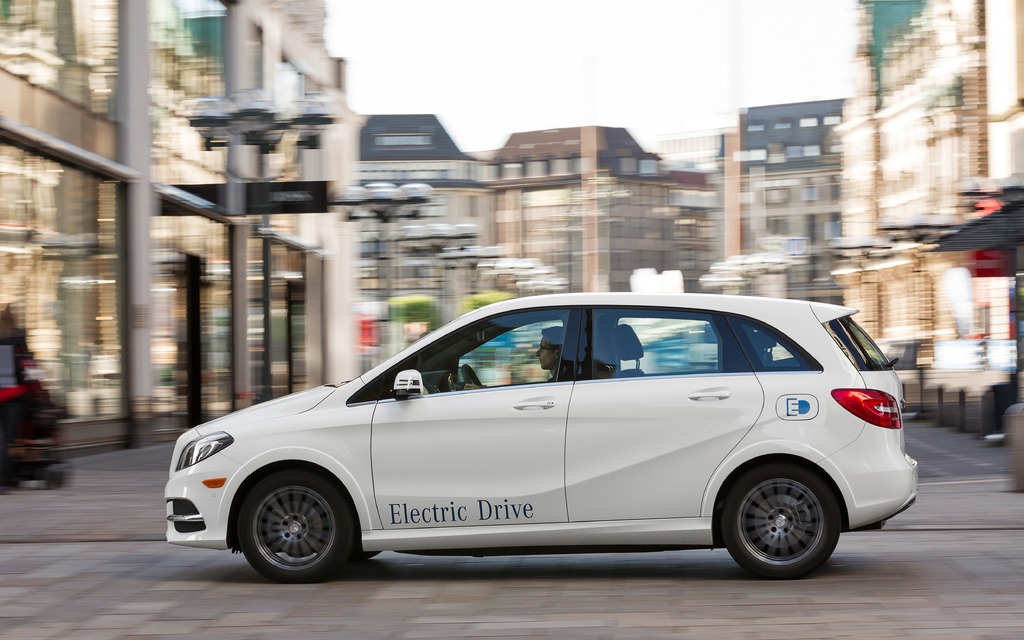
(747, 305)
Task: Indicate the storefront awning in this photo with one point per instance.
(178, 202)
(62, 151)
(1002, 229)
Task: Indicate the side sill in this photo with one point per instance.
(674, 533)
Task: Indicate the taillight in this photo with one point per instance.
(870, 405)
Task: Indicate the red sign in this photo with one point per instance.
(990, 263)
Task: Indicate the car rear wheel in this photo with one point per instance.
(295, 526)
(780, 521)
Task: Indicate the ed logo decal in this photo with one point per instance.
(797, 407)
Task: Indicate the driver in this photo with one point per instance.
(549, 353)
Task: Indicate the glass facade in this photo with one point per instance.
(191, 319)
(68, 46)
(60, 263)
(187, 62)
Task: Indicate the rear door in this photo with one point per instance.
(668, 394)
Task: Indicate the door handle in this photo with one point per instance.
(534, 405)
(711, 394)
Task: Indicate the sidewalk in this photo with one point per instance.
(118, 496)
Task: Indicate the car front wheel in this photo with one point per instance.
(295, 526)
(780, 521)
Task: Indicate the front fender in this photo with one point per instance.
(358, 489)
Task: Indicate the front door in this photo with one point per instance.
(485, 445)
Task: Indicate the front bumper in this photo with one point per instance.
(198, 516)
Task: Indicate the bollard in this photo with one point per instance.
(989, 417)
(1013, 423)
(940, 405)
(961, 401)
(921, 407)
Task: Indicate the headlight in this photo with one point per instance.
(203, 448)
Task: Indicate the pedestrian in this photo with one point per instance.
(13, 390)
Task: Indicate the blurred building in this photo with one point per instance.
(697, 199)
(789, 167)
(127, 250)
(586, 206)
(416, 148)
(912, 134)
(776, 176)
(695, 160)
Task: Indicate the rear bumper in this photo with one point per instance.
(877, 479)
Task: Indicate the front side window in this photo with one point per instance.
(518, 348)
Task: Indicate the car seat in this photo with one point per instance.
(628, 348)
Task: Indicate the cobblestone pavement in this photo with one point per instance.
(89, 561)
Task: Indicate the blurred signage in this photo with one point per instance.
(989, 263)
(286, 197)
(786, 246)
(269, 197)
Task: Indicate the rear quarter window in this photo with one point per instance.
(768, 350)
(857, 344)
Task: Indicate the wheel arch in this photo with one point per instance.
(781, 458)
(284, 465)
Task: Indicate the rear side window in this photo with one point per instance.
(858, 346)
(632, 342)
(768, 350)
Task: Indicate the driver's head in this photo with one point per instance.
(550, 350)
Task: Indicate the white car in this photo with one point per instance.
(567, 423)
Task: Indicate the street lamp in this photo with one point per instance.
(448, 245)
(251, 118)
(385, 203)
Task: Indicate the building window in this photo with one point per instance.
(809, 194)
(755, 126)
(648, 167)
(831, 121)
(402, 140)
(808, 122)
(559, 166)
(794, 152)
(61, 264)
(777, 196)
(536, 168)
(627, 165)
(511, 170)
(812, 150)
(783, 124)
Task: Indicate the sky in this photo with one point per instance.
(490, 68)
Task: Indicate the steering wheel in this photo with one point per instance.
(469, 376)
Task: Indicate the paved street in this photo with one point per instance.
(89, 561)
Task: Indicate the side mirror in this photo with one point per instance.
(408, 384)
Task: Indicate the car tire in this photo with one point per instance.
(295, 526)
(780, 521)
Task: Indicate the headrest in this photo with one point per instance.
(627, 345)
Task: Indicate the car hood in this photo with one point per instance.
(284, 406)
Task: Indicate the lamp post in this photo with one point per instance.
(385, 203)
(251, 118)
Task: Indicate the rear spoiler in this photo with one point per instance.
(829, 312)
